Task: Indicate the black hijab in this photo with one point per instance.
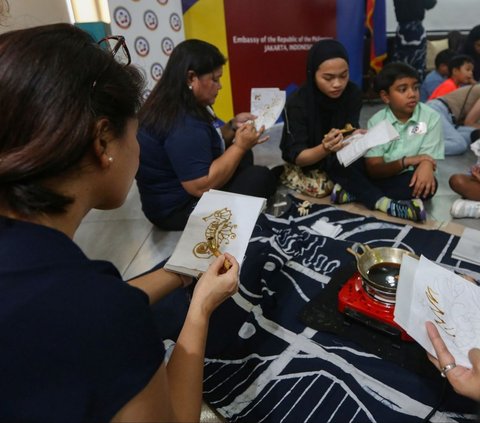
(325, 113)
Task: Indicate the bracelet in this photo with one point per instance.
(230, 124)
(403, 162)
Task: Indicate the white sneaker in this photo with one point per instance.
(465, 208)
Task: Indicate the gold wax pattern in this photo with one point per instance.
(220, 230)
(433, 302)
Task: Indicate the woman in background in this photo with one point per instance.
(181, 153)
(472, 48)
(411, 38)
(78, 343)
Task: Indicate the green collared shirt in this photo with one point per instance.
(421, 134)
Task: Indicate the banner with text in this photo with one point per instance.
(267, 46)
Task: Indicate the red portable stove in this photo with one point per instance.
(369, 307)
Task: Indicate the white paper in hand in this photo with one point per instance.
(226, 218)
(357, 145)
(429, 292)
(267, 104)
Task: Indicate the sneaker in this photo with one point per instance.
(408, 209)
(465, 208)
(474, 135)
(340, 196)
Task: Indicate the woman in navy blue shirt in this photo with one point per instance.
(77, 343)
(182, 154)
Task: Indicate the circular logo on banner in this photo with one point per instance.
(175, 22)
(141, 46)
(162, 2)
(122, 17)
(167, 46)
(150, 19)
(156, 70)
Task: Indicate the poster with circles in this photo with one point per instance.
(152, 28)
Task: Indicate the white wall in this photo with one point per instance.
(27, 13)
(447, 15)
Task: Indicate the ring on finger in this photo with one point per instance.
(445, 369)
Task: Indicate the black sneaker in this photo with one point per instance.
(408, 209)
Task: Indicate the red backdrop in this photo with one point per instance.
(268, 42)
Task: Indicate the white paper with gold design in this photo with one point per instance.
(225, 218)
(267, 104)
(427, 291)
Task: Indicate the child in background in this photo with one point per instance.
(436, 76)
(460, 71)
(468, 186)
(404, 168)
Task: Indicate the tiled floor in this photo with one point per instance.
(126, 238)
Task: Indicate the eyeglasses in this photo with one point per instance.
(116, 45)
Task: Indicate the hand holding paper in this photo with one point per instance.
(222, 222)
(267, 104)
(358, 144)
(429, 292)
(465, 381)
(215, 285)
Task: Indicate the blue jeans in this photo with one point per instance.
(457, 140)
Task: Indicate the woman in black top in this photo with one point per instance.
(315, 115)
(323, 105)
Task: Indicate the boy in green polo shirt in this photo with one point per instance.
(403, 170)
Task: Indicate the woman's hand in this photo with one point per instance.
(241, 119)
(423, 181)
(216, 285)
(248, 137)
(465, 381)
(333, 141)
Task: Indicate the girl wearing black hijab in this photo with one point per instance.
(323, 105)
(315, 114)
(314, 118)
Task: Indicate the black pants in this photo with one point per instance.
(355, 181)
(248, 179)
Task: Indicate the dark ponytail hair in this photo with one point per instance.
(50, 107)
